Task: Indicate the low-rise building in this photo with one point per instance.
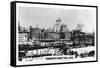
(53, 35)
(23, 37)
(34, 33)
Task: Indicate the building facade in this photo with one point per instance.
(23, 37)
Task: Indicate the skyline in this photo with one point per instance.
(32, 16)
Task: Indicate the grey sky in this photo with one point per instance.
(46, 17)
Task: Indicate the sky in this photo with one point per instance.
(46, 17)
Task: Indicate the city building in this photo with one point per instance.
(65, 33)
(34, 33)
(78, 37)
(23, 37)
(53, 35)
(57, 26)
(89, 39)
(79, 27)
(68, 35)
(63, 28)
(42, 34)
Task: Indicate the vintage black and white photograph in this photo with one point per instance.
(47, 33)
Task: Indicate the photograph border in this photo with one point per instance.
(13, 32)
